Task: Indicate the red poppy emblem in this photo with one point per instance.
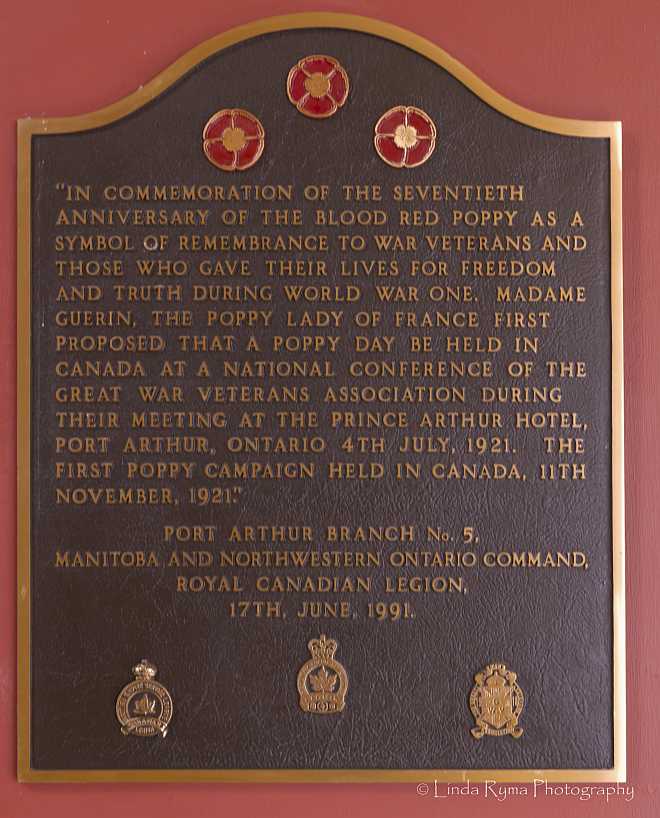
(233, 139)
(405, 137)
(317, 86)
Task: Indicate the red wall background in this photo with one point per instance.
(588, 59)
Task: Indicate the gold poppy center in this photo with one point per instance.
(405, 136)
(233, 139)
(317, 85)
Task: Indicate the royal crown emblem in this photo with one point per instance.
(322, 680)
(496, 702)
(144, 707)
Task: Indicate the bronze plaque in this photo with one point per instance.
(320, 428)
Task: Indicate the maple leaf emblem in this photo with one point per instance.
(323, 682)
(144, 706)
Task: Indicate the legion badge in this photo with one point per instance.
(496, 702)
(144, 707)
(322, 680)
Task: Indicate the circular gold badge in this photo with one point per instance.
(144, 706)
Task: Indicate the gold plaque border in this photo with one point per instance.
(111, 113)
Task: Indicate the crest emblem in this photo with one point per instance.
(144, 707)
(496, 702)
(322, 680)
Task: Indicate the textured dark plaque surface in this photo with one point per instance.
(233, 680)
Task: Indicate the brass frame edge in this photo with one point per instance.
(568, 127)
(618, 461)
(23, 441)
(330, 776)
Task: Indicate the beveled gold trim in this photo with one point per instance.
(618, 462)
(111, 113)
(23, 370)
(286, 776)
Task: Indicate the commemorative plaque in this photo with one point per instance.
(320, 424)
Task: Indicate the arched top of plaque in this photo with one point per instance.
(320, 20)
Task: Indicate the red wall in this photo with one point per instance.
(589, 59)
